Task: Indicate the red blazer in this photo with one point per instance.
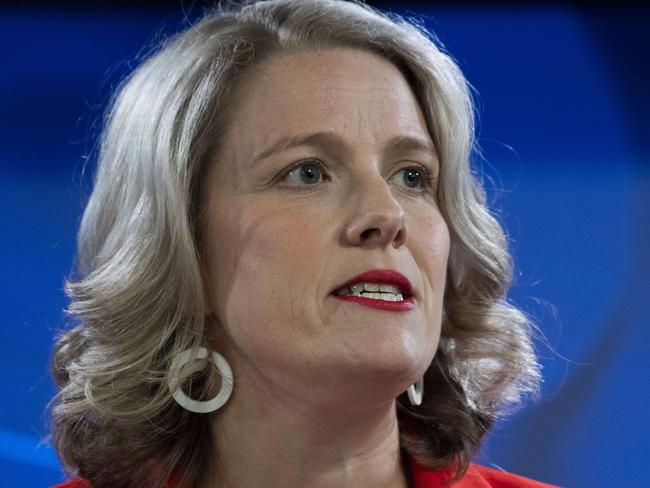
(476, 477)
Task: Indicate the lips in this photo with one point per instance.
(381, 276)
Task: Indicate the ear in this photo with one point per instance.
(214, 332)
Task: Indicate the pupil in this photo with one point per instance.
(309, 171)
(411, 173)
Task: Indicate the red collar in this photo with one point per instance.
(426, 478)
(477, 476)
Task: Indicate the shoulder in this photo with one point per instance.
(82, 483)
(503, 479)
(75, 483)
(477, 476)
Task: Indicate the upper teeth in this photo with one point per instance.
(358, 288)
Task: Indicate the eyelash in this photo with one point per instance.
(428, 178)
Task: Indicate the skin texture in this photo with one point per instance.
(315, 378)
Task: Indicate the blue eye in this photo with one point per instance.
(310, 172)
(418, 174)
(306, 171)
(412, 175)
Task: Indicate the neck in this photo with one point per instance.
(275, 439)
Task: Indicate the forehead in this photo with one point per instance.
(357, 94)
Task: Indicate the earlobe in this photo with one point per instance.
(214, 332)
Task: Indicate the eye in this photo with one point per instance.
(417, 178)
(304, 173)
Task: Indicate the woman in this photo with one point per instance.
(287, 274)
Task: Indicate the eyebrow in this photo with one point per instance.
(401, 143)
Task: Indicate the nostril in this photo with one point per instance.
(397, 237)
(366, 234)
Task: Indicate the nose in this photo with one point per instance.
(379, 220)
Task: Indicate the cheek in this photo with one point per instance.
(429, 238)
(438, 250)
(430, 243)
(271, 258)
(278, 244)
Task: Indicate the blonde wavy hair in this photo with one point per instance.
(137, 293)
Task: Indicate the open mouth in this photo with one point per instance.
(377, 291)
(384, 280)
(385, 297)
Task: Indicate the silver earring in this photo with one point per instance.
(194, 405)
(415, 392)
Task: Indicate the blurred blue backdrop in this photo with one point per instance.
(563, 103)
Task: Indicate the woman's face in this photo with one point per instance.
(281, 241)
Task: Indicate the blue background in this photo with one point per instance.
(565, 132)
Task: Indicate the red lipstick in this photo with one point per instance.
(380, 276)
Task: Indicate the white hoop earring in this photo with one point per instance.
(415, 392)
(194, 405)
